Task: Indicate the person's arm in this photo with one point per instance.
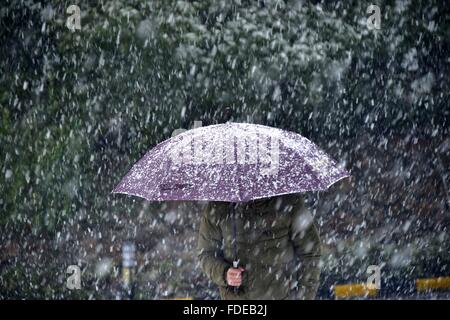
(306, 240)
(210, 249)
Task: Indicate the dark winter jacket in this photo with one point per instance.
(277, 244)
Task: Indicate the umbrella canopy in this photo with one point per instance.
(233, 162)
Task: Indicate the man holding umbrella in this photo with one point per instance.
(256, 239)
(277, 243)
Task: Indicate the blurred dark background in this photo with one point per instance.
(77, 109)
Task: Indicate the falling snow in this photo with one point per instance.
(79, 108)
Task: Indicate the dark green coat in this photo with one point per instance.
(277, 244)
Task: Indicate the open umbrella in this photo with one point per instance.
(233, 162)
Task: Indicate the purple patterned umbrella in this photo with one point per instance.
(233, 162)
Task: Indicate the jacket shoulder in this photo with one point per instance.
(216, 210)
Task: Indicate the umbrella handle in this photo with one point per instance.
(236, 265)
(235, 262)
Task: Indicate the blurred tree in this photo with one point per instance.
(79, 108)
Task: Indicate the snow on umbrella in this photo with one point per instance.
(232, 162)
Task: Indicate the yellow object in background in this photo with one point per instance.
(126, 276)
(433, 283)
(354, 290)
